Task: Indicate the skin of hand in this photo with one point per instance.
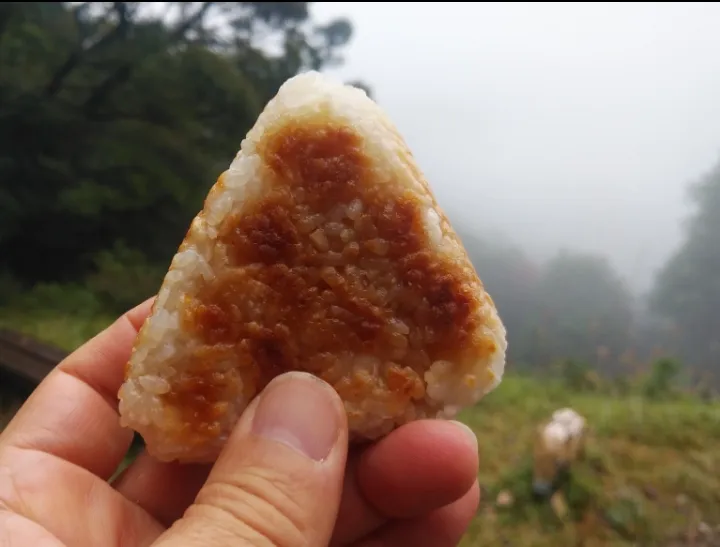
(284, 479)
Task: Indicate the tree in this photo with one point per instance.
(687, 288)
(116, 117)
(573, 307)
(583, 311)
(510, 278)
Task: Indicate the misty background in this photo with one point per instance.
(576, 148)
(574, 125)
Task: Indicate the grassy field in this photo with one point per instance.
(59, 329)
(651, 475)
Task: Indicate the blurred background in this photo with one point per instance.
(575, 146)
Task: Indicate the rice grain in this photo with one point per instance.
(323, 249)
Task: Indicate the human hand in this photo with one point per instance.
(284, 479)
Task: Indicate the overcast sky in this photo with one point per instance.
(562, 125)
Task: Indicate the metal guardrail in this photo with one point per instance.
(27, 358)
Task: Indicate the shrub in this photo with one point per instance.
(579, 376)
(52, 298)
(662, 380)
(124, 277)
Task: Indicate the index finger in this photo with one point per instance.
(73, 412)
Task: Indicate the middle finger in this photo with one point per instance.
(418, 468)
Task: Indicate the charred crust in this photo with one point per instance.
(329, 263)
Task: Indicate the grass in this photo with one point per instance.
(63, 315)
(60, 329)
(652, 471)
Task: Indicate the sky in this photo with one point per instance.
(560, 125)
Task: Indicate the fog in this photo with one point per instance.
(555, 127)
(559, 125)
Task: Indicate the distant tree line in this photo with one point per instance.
(575, 306)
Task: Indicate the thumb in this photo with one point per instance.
(278, 481)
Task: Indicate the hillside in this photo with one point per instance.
(651, 476)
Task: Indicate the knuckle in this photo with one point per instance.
(257, 503)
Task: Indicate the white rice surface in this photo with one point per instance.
(163, 346)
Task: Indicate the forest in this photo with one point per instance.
(115, 119)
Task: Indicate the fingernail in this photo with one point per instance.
(298, 411)
(467, 430)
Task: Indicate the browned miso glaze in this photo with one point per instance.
(327, 265)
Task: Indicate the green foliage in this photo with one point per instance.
(625, 515)
(517, 481)
(65, 315)
(124, 277)
(578, 375)
(662, 381)
(642, 456)
(115, 119)
(573, 307)
(53, 298)
(580, 488)
(584, 310)
(687, 289)
(621, 385)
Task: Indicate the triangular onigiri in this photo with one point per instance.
(321, 249)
